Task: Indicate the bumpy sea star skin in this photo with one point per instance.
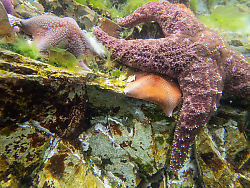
(198, 58)
(48, 30)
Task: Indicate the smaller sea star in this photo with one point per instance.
(48, 30)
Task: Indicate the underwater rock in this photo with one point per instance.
(29, 157)
(84, 16)
(43, 141)
(67, 168)
(129, 141)
(224, 155)
(39, 105)
(124, 143)
(28, 8)
(22, 151)
(6, 33)
(34, 91)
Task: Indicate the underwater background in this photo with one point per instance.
(64, 126)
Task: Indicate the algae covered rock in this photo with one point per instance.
(28, 8)
(62, 128)
(45, 113)
(129, 142)
(40, 105)
(34, 91)
(6, 33)
(129, 139)
(21, 155)
(84, 16)
(31, 158)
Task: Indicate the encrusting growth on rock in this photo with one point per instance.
(194, 55)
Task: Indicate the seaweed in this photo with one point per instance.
(227, 17)
(62, 58)
(131, 5)
(116, 8)
(193, 5)
(26, 49)
(23, 47)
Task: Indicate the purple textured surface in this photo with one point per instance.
(8, 5)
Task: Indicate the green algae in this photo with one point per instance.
(194, 5)
(118, 8)
(96, 3)
(117, 73)
(112, 84)
(24, 48)
(159, 139)
(227, 17)
(131, 5)
(57, 56)
(21, 46)
(145, 167)
(62, 58)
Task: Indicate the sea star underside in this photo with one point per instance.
(194, 55)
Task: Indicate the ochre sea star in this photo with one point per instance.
(194, 55)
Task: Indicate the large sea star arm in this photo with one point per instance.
(172, 18)
(237, 78)
(161, 56)
(201, 87)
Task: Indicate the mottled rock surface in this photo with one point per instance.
(131, 140)
(84, 16)
(6, 33)
(34, 91)
(60, 128)
(44, 141)
(27, 8)
(40, 105)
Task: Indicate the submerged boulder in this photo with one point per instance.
(33, 91)
(66, 128)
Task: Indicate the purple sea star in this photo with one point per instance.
(9, 6)
(48, 30)
(197, 57)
